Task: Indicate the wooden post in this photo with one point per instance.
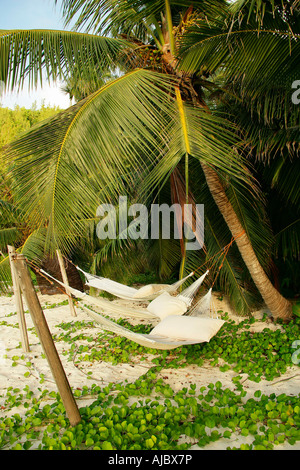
(46, 339)
(18, 302)
(66, 282)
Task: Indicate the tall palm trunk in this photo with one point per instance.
(278, 305)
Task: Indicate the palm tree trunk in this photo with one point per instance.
(278, 305)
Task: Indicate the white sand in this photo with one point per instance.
(102, 373)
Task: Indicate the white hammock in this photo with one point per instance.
(148, 292)
(186, 298)
(159, 341)
(171, 333)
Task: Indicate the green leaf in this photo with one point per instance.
(26, 53)
(149, 443)
(89, 442)
(107, 446)
(296, 309)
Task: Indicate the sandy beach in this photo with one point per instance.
(19, 370)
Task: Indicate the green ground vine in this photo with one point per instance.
(148, 413)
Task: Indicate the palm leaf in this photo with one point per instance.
(282, 175)
(32, 248)
(266, 141)
(9, 236)
(206, 137)
(27, 53)
(106, 16)
(262, 11)
(193, 135)
(275, 52)
(258, 62)
(288, 241)
(251, 211)
(10, 227)
(65, 167)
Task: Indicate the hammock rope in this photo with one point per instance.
(224, 250)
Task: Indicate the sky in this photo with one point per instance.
(33, 14)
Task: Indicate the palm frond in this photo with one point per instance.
(288, 241)
(258, 63)
(261, 12)
(9, 236)
(242, 53)
(5, 275)
(252, 213)
(265, 141)
(65, 167)
(25, 54)
(206, 137)
(283, 175)
(10, 229)
(129, 16)
(32, 248)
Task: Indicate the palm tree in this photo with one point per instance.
(261, 91)
(137, 129)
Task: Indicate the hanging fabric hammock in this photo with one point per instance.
(170, 333)
(164, 303)
(173, 332)
(148, 292)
